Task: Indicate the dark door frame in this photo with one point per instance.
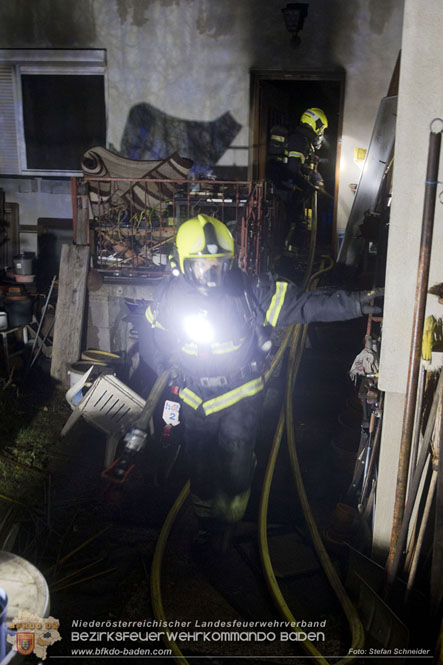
(257, 131)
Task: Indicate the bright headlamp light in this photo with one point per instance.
(198, 328)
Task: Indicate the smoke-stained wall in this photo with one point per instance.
(178, 70)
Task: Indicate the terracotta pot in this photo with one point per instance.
(24, 279)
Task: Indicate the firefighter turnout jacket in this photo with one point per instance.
(215, 341)
(300, 151)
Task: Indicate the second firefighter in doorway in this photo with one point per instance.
(211, 320)
(303, 145)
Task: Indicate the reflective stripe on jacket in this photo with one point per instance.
(276, 304)
(224, 400)
(297, 155)
(152, 319)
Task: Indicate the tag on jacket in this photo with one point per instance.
(171, 412)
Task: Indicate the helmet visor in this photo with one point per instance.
(207, 272)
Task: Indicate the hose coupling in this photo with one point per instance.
(135, 440)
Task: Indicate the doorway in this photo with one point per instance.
(280, 98)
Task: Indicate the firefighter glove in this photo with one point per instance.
(366, 301)
(316, 179)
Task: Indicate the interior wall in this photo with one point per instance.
(419, 102)
(189, 60)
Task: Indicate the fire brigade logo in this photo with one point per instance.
(25, 643)
(34, 634)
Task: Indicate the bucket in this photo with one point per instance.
(19, 310)
(23, 263)
(25, 586)
(78, 369)
(23, 591)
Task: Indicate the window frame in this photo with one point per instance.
(81, 62)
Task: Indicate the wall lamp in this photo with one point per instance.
(294, 15)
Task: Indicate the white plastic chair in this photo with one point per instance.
(109, 405)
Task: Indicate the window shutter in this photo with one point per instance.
(9, 164)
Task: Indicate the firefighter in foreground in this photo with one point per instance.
(210, 320)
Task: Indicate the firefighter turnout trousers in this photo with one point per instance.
(220, 458)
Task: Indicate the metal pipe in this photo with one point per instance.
(435, 585)
(416, 341)
(48, 332)
(368, 448)
(410, 552)
(415, 483)
(421, 533)
(372, 459)
(417, 421)
(43, 314)
(411, 547)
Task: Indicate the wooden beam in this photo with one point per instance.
(80, 212)
(70, 310)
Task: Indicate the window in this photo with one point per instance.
(54, 109)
